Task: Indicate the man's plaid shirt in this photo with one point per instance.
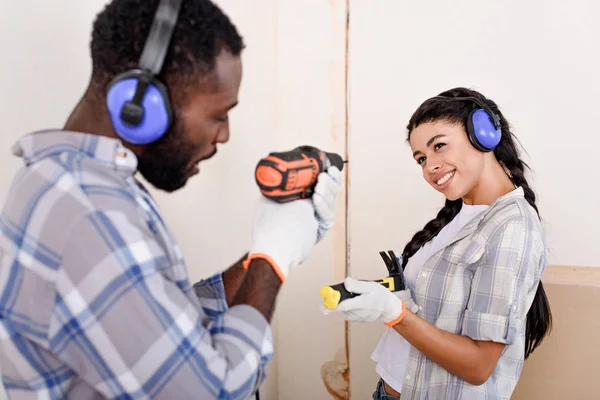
(95, 299)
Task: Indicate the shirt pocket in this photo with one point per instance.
(464, 252)
(459, 259)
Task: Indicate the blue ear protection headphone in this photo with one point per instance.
(138, 103)
(483, 125)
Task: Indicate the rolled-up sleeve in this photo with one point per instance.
(503, 280)
(130, 331)
(211, 294)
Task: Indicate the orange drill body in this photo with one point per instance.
(292, 175)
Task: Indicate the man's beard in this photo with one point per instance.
(165, 163)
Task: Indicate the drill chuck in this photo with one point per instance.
(335, 160)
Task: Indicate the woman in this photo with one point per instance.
(473, 271)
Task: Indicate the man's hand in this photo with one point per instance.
(375, 303)
(324, 199)
(283, 234)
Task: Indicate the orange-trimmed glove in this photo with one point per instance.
(283, 234)
(375, 303)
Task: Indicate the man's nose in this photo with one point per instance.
(223, 135)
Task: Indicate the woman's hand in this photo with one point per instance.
(375, 303)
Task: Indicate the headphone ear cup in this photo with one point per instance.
(156, 105)
(481, 131)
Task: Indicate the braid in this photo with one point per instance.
(508, 156)
(518, 177)
(539, 317)
(431, 229)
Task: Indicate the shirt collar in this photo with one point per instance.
(510, 196)
(39, 145)
(472, 225)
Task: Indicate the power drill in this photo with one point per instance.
(335, 294)
(292, 175)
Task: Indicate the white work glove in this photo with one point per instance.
(325, 197)
(406, 296)
(283, 234)
(374, 303)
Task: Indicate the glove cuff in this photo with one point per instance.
(399, 318)
(406, 297)
(267, 258)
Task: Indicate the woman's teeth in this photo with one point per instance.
(445, 178)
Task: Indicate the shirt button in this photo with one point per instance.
(408, 377)
(420, 308)
(424, 274)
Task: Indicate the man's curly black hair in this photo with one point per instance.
(120, 31)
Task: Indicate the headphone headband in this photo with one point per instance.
(157, 44)
(155, 48)
(495, 118)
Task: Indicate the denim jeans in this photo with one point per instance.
(380, 393)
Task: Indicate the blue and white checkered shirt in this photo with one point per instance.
(95, 300)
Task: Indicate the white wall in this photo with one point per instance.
(538, 60)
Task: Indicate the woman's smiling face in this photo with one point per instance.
(450, 163)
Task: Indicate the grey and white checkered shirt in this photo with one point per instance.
(480, 285)
(95, 300)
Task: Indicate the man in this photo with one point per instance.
(95, 298)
